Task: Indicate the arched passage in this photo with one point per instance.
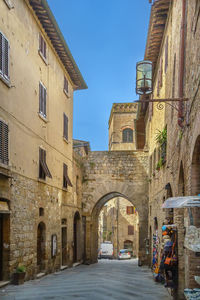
(92, 233)
(118, 224)
(77, 251)
(41, 249)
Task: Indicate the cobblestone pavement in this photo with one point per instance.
(107, 280)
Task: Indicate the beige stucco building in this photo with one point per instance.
(40, 211)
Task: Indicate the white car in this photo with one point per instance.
(124, 254)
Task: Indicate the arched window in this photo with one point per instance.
(127, 135)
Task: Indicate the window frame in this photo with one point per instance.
(42, 50)
(126, 138)
(3, 75)
(130, 210)
(42, 102)
(65, 127)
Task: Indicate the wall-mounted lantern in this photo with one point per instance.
(144, 77)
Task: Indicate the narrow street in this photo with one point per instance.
(120, 280)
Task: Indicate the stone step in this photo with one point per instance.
(4, 283)
(63, 267)
(40, 275)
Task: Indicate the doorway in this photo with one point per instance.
(64, 245)
(76, 249)
(41, 236)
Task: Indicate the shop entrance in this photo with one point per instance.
(41, 236)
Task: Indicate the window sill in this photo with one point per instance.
(66, 93)
(42, 180)
(43, 117)
(5, 81)
(65, 189)
(66, 141)
(43, 58)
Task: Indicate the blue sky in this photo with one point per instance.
(106, 39)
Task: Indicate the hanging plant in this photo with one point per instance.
(161, 136)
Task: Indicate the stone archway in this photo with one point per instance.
(92, 234)
(41, 249)
(112, 174)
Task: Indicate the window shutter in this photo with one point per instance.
(130, 230)
(1, 53)
(44, 100)
(65, 133)
(6, 53)
(65, 84)
(40, 97)
(3, 143)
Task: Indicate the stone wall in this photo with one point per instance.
(109, 175)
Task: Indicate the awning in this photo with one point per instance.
(4, 208)
(181, 202)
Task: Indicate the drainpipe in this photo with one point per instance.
(182, 63)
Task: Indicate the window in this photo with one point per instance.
(65, 128)
(130, 210)
(127, 135)
(42, 47)
(3, 143)
(42, 100)
(4, 57)
(130, 230)
(66, 87)
(43, 168)
(41, 211)
(66, 180)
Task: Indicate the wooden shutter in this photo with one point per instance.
(4, 56)
(6, 62)
(65, 129)
(66, 180)
(43, 164)
(42, 46)
(130, 230)
(42, 99)
(4, 143)
(65, 84)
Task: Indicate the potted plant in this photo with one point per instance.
(19, 275)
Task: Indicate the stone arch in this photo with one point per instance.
(142, 215)
(41, 246)
(77, 237)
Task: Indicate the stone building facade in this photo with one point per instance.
(122, 126)
(118, 223)
(172, 46)
(40, 208)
